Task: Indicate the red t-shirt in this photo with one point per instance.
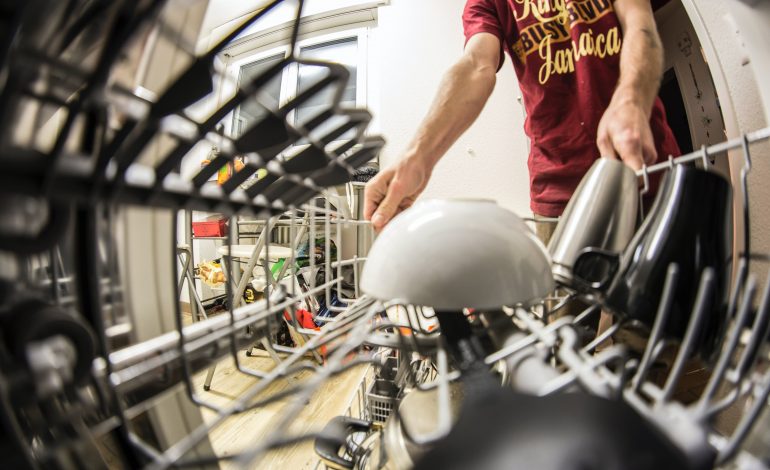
(567, 58)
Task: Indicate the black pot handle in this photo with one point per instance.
(586, 262)
(335, 437)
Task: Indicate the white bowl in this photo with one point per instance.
(454, 254)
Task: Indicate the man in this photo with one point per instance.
(589, 72)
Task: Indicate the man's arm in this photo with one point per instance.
(464, 90)
(624, 130)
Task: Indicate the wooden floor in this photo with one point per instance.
(244, 430)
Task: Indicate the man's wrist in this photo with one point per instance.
(630, 96)
(419, 161)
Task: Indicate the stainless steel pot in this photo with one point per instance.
(601, 213)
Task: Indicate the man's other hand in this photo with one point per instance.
(393, 190)
(624, 132)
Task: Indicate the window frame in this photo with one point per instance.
(290, 74)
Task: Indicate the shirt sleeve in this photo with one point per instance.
(480, 16)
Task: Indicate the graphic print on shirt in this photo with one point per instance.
(549, 34)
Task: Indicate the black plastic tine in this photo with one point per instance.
(239, 177)
(759, 332)
(731, 343)
(296, 193)
(174, 158)
(334, 175)
(356, 119)
(344, 147)
(303, 198)
(243, 93)
(140, 137)
(122, 30)
(318, 119)
(309, 159)
(661, 318)
(100, 168)
(367, 152)
(14, 24)
(278, 189)
(361, 157)
(261, 185)
(314, 158)
(338, 75)
(274, 127)
(91, 13)
(700, 311)
(195, 82)
(209, 170)
(268, 137)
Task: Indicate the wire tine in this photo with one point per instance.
(581, 317)
(645, 180)
(179, 449)
(340, 248)
(745, 195)
(759, 333)
(645, 189)
(311, 243)
(732, 340)
(705, 157)
(541, 334)
(181, 344)
(235, 299)
(747, 422)
(588, 348)
(358, 333)
(700, 312)
(327, 256)
(295, 241)
(661, 318)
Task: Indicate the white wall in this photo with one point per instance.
(414, 43)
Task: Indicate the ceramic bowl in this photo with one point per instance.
(454, 254)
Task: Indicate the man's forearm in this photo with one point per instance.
(641, 58)
(463, 92)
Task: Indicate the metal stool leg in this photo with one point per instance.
(209, 378)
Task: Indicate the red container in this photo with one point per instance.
(212, 228)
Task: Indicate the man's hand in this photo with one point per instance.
(394, 190)
(624, 132)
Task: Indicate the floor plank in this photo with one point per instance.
(244, 430)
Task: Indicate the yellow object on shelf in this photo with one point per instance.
(211, 273)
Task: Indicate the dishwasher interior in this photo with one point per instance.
(100, 364)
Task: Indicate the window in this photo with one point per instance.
(252, 111)
(346, 48)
